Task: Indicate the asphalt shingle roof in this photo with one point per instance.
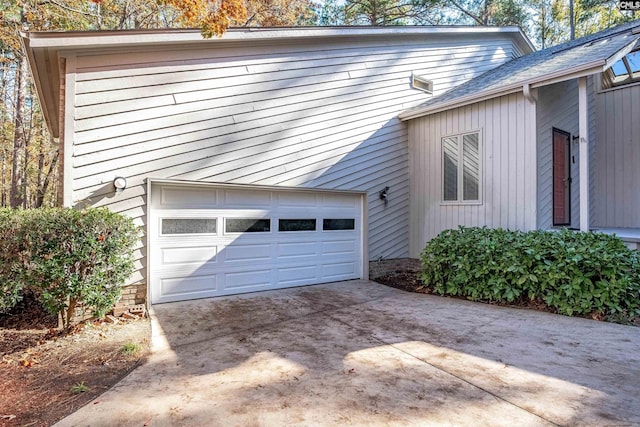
(536, 66)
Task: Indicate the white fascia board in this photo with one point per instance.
(557, 77)
(93, 39)
(583, 70)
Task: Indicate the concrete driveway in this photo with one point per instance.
(360, 353)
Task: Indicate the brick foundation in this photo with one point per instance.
(131, 295)
(385, 266)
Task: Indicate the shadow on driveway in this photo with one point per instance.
(361, 353)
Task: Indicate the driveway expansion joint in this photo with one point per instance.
(489, 392)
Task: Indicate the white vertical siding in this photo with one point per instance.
(617, 158)
(316, 114)
(557, 108)
(509, 176)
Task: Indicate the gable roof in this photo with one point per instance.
(581, 57)
(45, 50)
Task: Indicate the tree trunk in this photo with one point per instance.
(486, 12)
(3, 171)
(25, 168)
(44, 180)
(19, 137)
(3, 139)
(70, 312)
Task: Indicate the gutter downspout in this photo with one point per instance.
(531, 97)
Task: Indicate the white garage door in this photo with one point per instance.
(209, 241)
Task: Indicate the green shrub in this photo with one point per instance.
(73, 257)
(11, 262)
(571, 272)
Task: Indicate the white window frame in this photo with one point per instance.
(460, 192)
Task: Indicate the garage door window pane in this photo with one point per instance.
(189, 226)
(247, 225)
(297, 225)
(339, 224)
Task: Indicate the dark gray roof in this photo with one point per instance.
(538, 66)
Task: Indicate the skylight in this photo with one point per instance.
(626, 70)
(634, 61)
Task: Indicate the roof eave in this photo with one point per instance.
(93, 39)
(51, 122)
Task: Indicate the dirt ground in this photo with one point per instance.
(46, 375)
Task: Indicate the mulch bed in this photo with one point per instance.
(28, 324)
(405, 280)
(40, 365)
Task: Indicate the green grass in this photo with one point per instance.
(78, 388)
(130, 349)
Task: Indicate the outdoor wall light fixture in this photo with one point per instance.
(120, 183)
(383, 195)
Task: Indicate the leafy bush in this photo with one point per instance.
(571, 272)
(10, 260)
(74, 257)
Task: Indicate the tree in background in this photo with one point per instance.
(21, 181)
(380, 12)
(546, 22)
(280, 13)
(487, 12)
(423, 12)
(388, 12)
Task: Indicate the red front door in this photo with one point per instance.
(561, 178)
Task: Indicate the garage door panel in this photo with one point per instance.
(309, 238)
(247, 198)
(188, 255)
(247, 252)
(188, 285)
(296, 250)
(343, 201)
(181, 198)
(247, 279)
(339, 247)
(297, 200)
(297, 275)
(339, 270)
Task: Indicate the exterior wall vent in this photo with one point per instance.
(418, 82)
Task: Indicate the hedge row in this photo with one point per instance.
(572, 272)
(69, 256)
